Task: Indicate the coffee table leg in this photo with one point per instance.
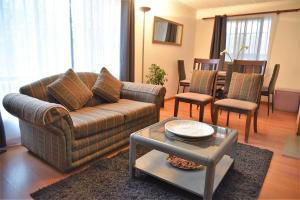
(209, 182)
(132, 156)
(233, 151)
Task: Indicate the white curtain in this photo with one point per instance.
(251, 32)
(96, 35)
(36, 40)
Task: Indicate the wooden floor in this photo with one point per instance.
(21, 173)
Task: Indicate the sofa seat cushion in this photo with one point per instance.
(132, 110)
(91, 120)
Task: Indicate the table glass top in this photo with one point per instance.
(205, 146)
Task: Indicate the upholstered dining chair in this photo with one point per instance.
(206, 64)
(270, 90)
(243, 66)
(201, 93)
(243, 97)
(182, 76)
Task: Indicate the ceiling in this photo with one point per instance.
(202, 4)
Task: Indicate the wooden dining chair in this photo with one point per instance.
(201, 93)
(206, 64)
(270, 90)
(243, 97)
(182, 76)
(251, 66)
(243, 66)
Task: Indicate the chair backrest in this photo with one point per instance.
(251, 66)
(243, 66)
(206, 64)
(274, 78)
(245, 86)
(203, 82)
(181, 70)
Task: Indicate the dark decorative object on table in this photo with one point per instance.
(243, 181)
(2, 136)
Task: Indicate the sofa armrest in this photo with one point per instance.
(33, 110)
(144, 92)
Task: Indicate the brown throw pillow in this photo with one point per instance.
(107, 86)
(70, 91)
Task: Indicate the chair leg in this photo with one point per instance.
(183, 89)
(191, 110)
(176, 107)
(216, 113)
(247, 128)
(212, 111)
(268, 104)
(255, 121)
(201, 113)
(178, 88)
(240, 115)
(273, 103)
(227, 121)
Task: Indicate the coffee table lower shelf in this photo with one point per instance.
(154, 163)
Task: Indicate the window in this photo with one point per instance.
(251, 32)
(39, 38)
(42, 38)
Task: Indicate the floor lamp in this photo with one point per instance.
(144, 9)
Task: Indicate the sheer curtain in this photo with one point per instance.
(252, 32)
(39, 38)
(34, 41)
(96, 35)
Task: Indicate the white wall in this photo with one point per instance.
(284, 44)
(164, 55)
(286, 50)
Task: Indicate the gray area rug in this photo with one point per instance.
(291, 147)
(109, 179)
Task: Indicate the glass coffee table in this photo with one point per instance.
(213, 153)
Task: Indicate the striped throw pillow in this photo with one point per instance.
(203, 81)
(107, 86)
(70, 91)
(245, 86)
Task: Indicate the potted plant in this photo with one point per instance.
(157, 76)
(242, 48)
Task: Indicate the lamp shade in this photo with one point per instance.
(145, 9)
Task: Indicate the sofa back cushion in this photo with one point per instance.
(38, 89)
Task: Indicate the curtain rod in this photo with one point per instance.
(259, 13)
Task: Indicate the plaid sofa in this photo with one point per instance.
(67, 139)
